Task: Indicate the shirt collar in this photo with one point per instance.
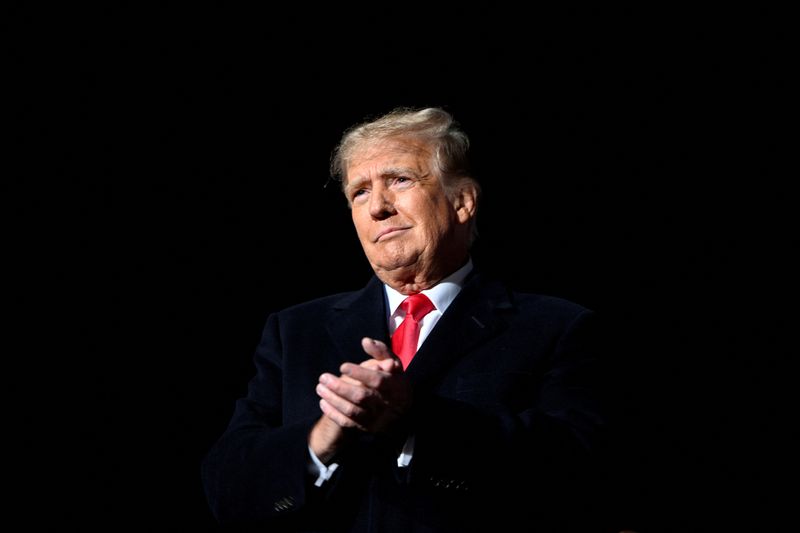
(442, 294)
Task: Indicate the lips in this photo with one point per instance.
(388, 232)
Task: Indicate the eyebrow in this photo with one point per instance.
(390, 172)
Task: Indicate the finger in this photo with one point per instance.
(367, 376)
(338, 417)
(350, 381)
(390, 366)
(341, 404)
(356, 393)
(376, 348)
(328, 379)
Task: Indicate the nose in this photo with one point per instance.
(381, 203)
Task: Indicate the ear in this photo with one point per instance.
(466, 201)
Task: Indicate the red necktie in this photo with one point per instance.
(406, 338)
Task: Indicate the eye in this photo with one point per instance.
(401, 181)
(358, 193)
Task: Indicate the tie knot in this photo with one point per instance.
(417, 305)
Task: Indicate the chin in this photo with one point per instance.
(393, 263)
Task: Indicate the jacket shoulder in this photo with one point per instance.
(340, 300)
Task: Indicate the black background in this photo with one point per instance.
(168, 191)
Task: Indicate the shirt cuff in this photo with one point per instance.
(321, 471)
(404, 459)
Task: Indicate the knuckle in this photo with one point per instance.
(359, 395)
(348, 409)
(341, 419)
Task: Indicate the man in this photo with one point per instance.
(494, 422)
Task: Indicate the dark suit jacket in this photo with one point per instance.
(506, 419)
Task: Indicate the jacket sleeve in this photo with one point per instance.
(256, 473)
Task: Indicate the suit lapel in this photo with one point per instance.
(474, 317)
(355, 316)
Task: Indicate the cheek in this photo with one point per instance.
(439, 218)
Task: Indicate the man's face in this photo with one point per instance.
(402, 215)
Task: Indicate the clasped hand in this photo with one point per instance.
(369, 396)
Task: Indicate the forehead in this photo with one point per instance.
(375, 155)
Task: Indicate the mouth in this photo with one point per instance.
(390, 232)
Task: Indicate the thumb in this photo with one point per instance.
(376, 349)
